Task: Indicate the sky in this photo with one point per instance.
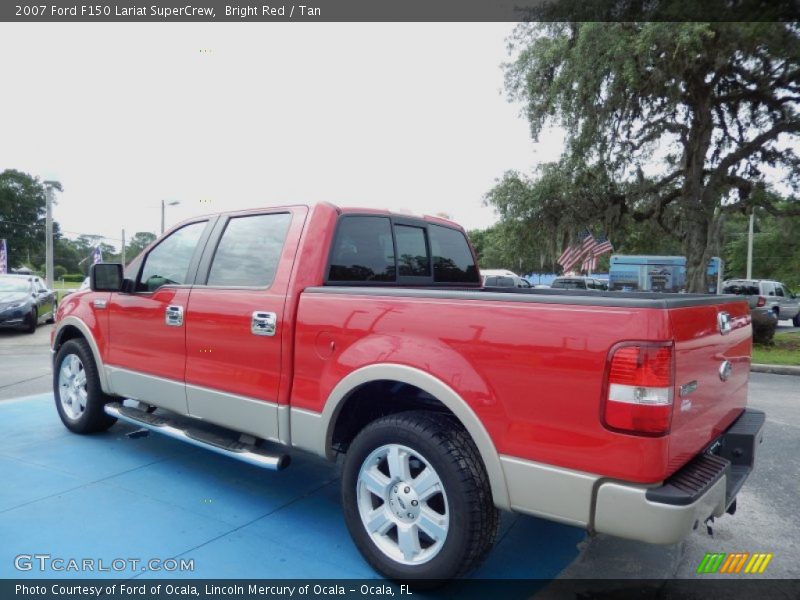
(225, 116)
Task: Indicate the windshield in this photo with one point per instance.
(14, 284)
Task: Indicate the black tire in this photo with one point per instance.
(440, 441)
(796, 320)
(32, 321)
(90, 417)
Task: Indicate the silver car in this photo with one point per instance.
(767, 294)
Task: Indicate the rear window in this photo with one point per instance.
(374, 249)
(363, 250)
(740, 289)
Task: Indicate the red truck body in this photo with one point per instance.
(527, 375)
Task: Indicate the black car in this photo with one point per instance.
(25, 302)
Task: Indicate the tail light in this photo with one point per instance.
(639, 389)
(761, 301)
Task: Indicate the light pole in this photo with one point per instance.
(750, 243)
(48, 262)
(163, 205)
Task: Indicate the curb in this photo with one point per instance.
(775, 369)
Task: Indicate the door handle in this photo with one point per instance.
(174, 315)
(263, 323)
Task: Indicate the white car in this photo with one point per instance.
(502, 278)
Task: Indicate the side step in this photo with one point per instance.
(219, 443)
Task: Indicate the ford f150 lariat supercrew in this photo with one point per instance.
(367, 334)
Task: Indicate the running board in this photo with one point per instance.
(221, 444)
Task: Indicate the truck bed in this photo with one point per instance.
(531, 363)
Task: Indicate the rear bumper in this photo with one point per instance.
(703, 488)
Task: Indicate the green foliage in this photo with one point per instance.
(74, 277)
(776, 248)
(668, 123)
(22, 217)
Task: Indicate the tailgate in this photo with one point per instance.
(712, 368)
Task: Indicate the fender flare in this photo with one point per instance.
(87, 335)
(439, 390)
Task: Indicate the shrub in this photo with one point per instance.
(74, 278)
(764, 326)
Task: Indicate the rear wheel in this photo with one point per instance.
(796, 320)
(76, 386)
(416, 497)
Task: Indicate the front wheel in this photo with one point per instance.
(796, 320)
(32, 321)
(416, 497)
(76, 386)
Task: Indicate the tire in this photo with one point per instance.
(33, 321)
(438, 527)
(76, 386)
(796, 320)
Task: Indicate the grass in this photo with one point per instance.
(785, 351)
(61, 288)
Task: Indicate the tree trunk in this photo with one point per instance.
(696, 245)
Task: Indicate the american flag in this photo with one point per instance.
(602, 245)
(97, 255)
(3, 257)
(589, 263)
(567, 256)
(587, 241)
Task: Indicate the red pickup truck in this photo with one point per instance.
(367, 334)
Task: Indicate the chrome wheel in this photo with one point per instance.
(72, 386)
(402, 504)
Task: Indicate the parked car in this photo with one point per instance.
(766, 294)
(503, 278)
(368, 335)
(25, 302)
(579, 283)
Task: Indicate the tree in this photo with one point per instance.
(22, 217)
(139, 241)
(776, 247)
(678, 123)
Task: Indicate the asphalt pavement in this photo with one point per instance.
(25, 362)
(767, 518)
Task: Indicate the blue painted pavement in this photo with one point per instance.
(109, 496)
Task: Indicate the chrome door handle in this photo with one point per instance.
(263, 323)
(174, 316)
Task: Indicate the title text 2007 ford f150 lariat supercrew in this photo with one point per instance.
(366, 333)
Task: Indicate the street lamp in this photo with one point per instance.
(163, 204)
(49, 186)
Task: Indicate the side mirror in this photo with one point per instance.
(105, 277)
